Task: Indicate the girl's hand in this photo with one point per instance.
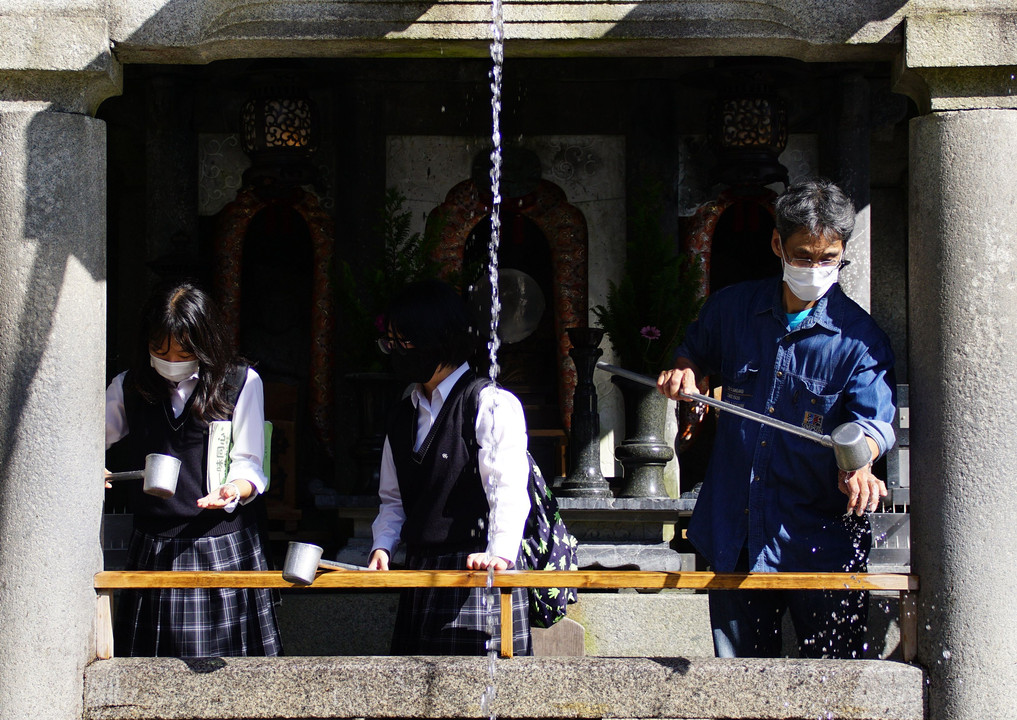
(379, 560)
(225, 494)
(106, 473)
(482, 561)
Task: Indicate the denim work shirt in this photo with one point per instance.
(767, 488)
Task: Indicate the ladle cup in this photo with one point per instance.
(160, 475)
(850, 448)
(303, 561)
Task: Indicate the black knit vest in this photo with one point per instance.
(151, 428)
(443, 497)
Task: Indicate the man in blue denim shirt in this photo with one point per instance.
(799, 350)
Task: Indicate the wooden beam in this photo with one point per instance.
(583, 579)
(104, 625)
(506, 622)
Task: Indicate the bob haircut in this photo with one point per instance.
(431, 314)
(183, 312)
(816, 206)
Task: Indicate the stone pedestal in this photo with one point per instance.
(585, 478)
(625, 533)
(643, 453)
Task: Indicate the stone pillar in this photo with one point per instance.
(52, 377)
(963, 351)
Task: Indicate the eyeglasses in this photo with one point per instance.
(389, 345)
(839, 263)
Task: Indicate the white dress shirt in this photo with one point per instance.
(248, 425)
(504, 468)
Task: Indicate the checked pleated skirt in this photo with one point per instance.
(203, 622)
(455, 621)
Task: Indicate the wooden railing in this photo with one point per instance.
(906, 585)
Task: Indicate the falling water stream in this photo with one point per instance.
(491, 604)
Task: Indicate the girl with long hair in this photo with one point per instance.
(184, 377)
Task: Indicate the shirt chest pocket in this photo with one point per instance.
(813, 404)
(740, 382)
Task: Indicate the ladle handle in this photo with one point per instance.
(333, 565)
(823, 440)
(129, 475)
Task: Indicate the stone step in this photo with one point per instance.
(449, 687)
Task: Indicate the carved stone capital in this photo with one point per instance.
(959, 61)
(57, 62)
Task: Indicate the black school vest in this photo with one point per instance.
(444, 500)
(153, 429)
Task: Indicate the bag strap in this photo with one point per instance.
(472, 409)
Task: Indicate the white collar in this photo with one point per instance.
(442, 390)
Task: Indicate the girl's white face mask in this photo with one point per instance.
(809, 283)
(174, 371)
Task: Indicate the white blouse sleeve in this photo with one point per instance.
(504, 469)
(116, 416)
(249, 435)
(391, 515)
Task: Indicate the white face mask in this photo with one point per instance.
(809, 283)
(174, 371)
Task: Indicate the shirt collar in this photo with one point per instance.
(441, 391)
(820, 311)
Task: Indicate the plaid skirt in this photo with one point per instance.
(203, 622)
(454, 621)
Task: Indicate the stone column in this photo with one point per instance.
(963, 352)
(52, 376)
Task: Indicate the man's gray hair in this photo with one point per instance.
(816, 206)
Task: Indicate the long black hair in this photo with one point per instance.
(183, 312)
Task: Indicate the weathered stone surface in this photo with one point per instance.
(52, 340)
(445, 687)
(205, 30)
(963, 323)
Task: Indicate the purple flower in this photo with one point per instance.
(650, 332)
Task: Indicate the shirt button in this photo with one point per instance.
(746, 511)
(780, 373)
(813, 401)
(770, 410)
(763, 443)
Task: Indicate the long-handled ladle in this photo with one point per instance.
(850, 448)
(303, 560)
(160, 475)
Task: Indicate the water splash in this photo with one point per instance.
(491, 605)
(491, 613)
(498, 56)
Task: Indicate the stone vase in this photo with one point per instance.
(643, 453)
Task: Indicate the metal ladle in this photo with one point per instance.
(160, 475)
(303, 560)
(850, 448)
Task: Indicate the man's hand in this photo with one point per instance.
(864, 490)
(671, 383)
(482, 561)
(379, 560)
